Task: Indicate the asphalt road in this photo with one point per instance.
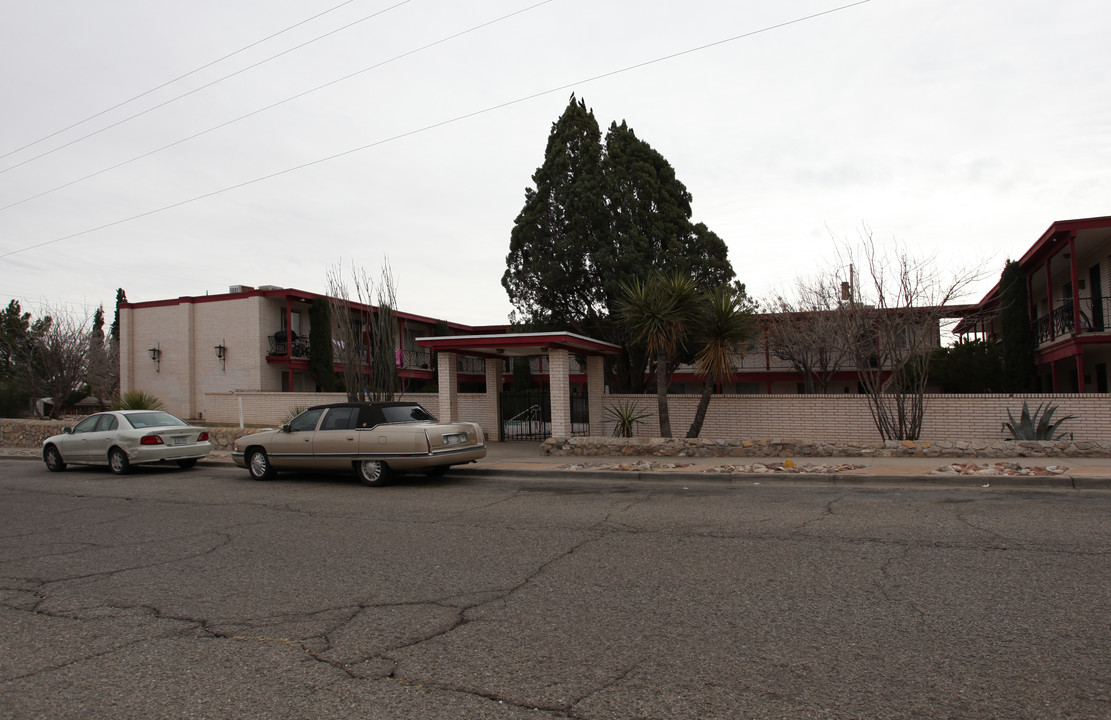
(203, 594)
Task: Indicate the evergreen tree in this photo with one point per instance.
(551, 276)
(1019, 365)
(597, 220)
(321, 355)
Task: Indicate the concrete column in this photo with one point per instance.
(495, 371)
(448, 368)
(595, 388)
(559, 374)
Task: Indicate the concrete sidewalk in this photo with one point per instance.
(524, 458)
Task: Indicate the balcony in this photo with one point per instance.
(419, 359)
(1060, 322)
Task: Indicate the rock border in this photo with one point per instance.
(700, 447)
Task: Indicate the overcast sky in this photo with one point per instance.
(959, 128)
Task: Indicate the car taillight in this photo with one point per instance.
(202, 437)
(151, 440)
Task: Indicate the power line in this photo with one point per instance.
(202, 87)
(276, 104)
(435, 125)
(174, 80)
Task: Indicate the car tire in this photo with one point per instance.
(53, 459)
(186, 464)
(259, 465)
(118, 462)
(372, 472)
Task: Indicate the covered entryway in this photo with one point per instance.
(560, 416)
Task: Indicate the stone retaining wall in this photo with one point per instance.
(676, 447)
(31, 433)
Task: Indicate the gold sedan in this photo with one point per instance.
(372, 439)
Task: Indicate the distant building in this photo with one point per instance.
(1068, 276)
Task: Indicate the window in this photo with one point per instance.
(341, 418)
(152, 419)
(107, 422)
(87, 425)
(306, 421)
(405, 413)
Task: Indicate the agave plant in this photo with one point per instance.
(291, 413)
(626, 416)
(1038, 425)
(137, 400)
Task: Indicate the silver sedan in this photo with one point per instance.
(122, 438)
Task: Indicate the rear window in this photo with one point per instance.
(153, 419)
(406, 413)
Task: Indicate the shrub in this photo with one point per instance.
(137, 400)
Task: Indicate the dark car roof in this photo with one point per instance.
(370, 414)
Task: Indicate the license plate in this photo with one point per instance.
(455, 438)
(181, 440)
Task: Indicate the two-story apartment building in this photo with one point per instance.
(250, 339)
(1068, 276)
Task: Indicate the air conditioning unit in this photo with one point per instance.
(240, 288)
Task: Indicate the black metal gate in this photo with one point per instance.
(527, 414)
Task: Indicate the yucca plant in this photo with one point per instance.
(291, 413)
(136, 400)
(626, 416)
(1037, 425)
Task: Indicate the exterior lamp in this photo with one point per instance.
(221, 354)
(156, 356)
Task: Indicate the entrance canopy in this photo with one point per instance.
(558, 346)
(518, 344)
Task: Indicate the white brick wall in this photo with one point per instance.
(822, 418)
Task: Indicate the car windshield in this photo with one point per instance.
(405, 413)
(152, 419)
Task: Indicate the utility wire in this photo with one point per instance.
(202, 87)
(179, 77)
(280, 102)
(435, 125)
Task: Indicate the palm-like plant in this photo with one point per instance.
(723, 329)
(658, 313)
(137, 400)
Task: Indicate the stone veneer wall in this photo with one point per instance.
(31, 433)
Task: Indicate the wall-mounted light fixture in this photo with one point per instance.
(221, 354)
(156, 356)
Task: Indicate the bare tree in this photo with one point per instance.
(889, 324)
(804, 332)
(59, 359)
(366, 335)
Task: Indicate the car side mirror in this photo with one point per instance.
(287, 428)
(67, 430)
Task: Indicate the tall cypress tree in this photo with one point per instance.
(1019, 365)
(551, 276)
(321, 353)
(599, 218)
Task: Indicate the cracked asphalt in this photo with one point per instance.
(203, 594)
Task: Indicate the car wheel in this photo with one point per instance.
(372, 472)
(117, 461)
(53, 459)
(186, 464)
(259, 465)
